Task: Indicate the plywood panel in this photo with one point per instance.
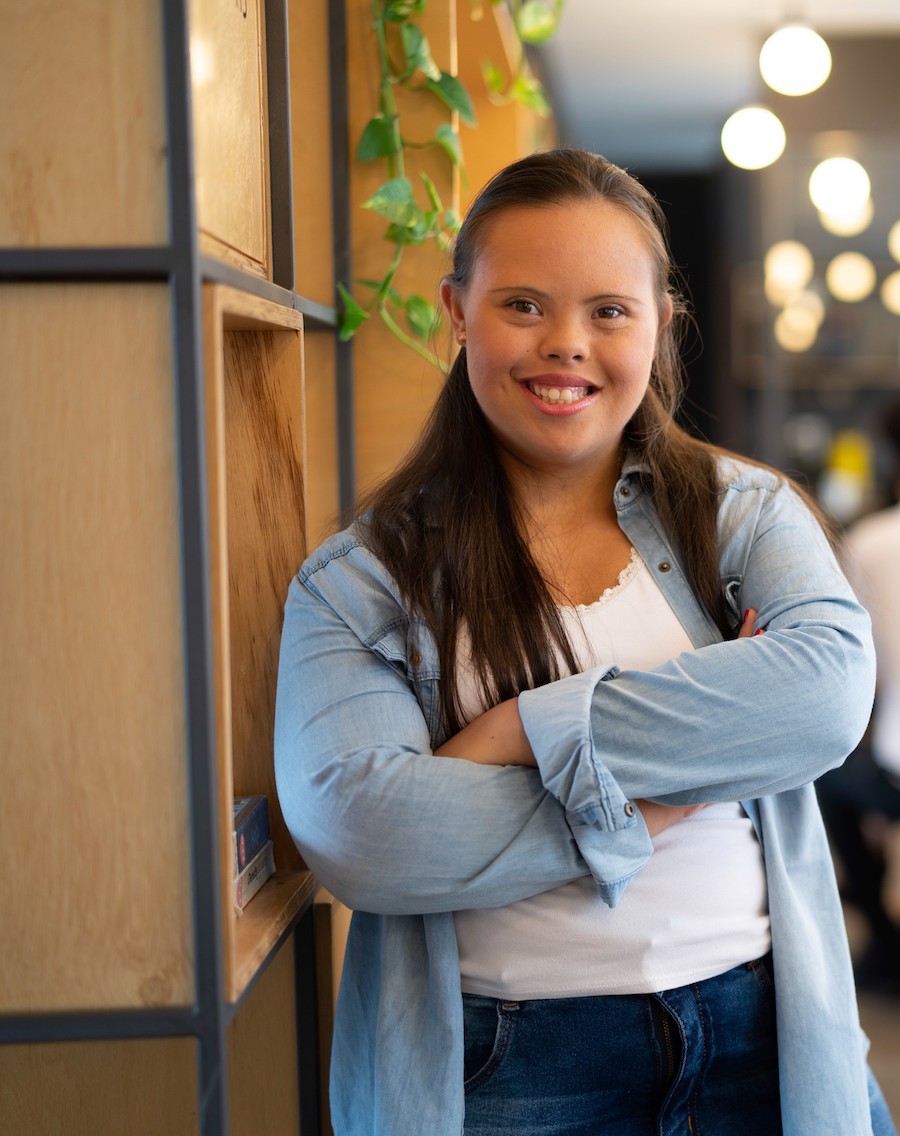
(322, 486)
(82, 132)
(231, 152)
(95, 900)
(254, 373)
(142, 1087)
(311, 150)
(262, 1043)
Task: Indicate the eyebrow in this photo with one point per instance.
(539, 292)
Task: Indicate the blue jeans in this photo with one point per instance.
(701, 1059)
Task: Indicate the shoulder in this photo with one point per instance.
(345, 574)
(739, 475)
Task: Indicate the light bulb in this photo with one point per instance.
(753, 138)
(890, 293)
(849, 224)
(788, 268)
(850, 277)
(795, 331)
(795, 60)
(894, 240)
(839, 186)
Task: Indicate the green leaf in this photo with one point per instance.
(394, 201)
(454, 94)
(448, 140)
(398, 11)
(433, 195)
(379, 139)
(420, 315)
(418, 52)
(493, 77)
(536, 21)
(351, 316)
(529, 92)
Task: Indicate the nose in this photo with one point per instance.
(564, 339)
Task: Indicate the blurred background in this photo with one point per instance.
(795, 365)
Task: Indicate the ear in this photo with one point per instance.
(666, 313)
(453, 306)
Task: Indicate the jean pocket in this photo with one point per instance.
(764, 972)
(487, 1026)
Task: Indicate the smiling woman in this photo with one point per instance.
(591, 890)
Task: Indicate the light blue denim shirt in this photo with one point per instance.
(406, 838)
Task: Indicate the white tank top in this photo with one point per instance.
(696, 909)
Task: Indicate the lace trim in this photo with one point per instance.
(628, 573)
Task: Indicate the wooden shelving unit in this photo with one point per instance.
(155, 470)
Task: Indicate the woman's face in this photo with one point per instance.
(560, 321)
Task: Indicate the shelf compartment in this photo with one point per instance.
(228, 81)
(255, 428)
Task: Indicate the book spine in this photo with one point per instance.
(250, 834)
(254, 876)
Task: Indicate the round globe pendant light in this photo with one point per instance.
(752, 138)
(795, 60)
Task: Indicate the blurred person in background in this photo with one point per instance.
(867, 786)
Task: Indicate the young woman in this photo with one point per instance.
(526, 731)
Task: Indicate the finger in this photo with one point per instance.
(747, 625)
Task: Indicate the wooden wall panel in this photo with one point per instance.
(262, 1055)
(93, 761)
(230, 130)
(143, 1087)
(82, 130)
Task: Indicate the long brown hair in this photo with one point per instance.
(445, 523)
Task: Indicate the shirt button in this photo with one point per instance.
(664, 566)
(625, 491)
(415, 658)
(629, 809)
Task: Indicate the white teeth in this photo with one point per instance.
(558, 394)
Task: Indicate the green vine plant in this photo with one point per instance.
(416, 215)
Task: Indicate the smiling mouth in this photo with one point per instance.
(556, 396)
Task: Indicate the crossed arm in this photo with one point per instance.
(497, 737)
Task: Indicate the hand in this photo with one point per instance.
(660, 817)
(746, 631)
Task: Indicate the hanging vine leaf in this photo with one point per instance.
(448, 140)
(351, 315)
(420, 315)
(398, 11)
(536, 20)
(394, 201)
(449, 89)
(379, 139)
(417, 51)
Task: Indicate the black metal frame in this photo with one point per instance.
(181, 264)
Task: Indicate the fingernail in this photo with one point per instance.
(759, 631)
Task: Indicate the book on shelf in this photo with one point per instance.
(251, 829)
(252, 878)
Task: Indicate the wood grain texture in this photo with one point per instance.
(142, 1087)
(82, 130)
(262, 1054)
(96, 897)
(230, 130)
(255, 419)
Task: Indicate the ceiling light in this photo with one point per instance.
(894, 240)
(849, 224)
(753, 138)
(839, 186)
(850, 277)
(788, 268)
(795, 60)
(890, 293)
(794, 331)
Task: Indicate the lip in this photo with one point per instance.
(559, 382)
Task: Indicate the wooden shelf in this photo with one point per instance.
(262, 923)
